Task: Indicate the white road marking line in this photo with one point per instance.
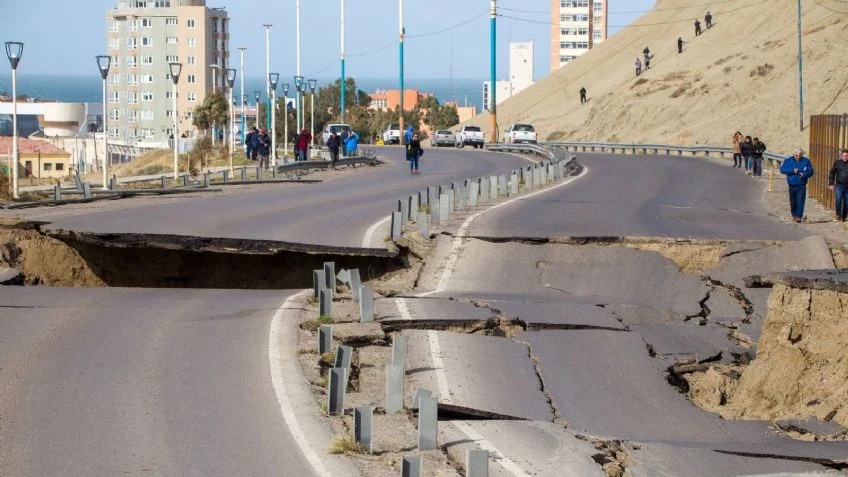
(507, 463)
(275, 357)
(439, 366)
(403, 309)
(366, 239)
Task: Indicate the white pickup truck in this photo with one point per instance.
(469, 135)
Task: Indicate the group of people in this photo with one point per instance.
(257, 145)
(646, 54)
(748, 153)
(347, 143)
(708, 19)
(798, 170)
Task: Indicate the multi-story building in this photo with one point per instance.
(520, 73)
(390, 99)
(576, 26)
(143, 37)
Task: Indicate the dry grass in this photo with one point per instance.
(345, 445)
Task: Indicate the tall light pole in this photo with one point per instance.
(493, 90)
(267, 76)
(286, 121)
(297, 66)
(299, 86)
(103, 64)
(215, 68)
(402, 138)
(343, 85)
(273, 79)
(14, 51)
(800, 72)
(231, 79)
(312, 84)
(175, 69)
(243, 132)
(257, 95)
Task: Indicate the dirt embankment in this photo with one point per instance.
(43, 260)
(801, 369)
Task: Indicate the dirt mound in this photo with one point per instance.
(741, 74)
(43, 260)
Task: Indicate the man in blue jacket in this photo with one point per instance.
(798, 170)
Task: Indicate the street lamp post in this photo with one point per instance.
(267, 75)
(273, 79)
(312, 84)
(175, 69)
(231, 80)
(103, 64)
(258, 96)
(286, 121)
(14, 51)
(299, 86)
(215, 69)
(241, 93)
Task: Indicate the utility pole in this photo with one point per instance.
(402, 139)
(344, 81)
(297, 72)
(243, 133)
(800, 73)
(267, 75)
(493, 90)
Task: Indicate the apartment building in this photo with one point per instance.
(520, 74)
(576, 26)
(143, 37)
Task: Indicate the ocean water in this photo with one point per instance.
(87, 89)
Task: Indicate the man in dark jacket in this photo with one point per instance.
(798, 170)
(248, 143)
(333, 144)
(759, 149)
(263, 148)
(838, 181)
(746, 148)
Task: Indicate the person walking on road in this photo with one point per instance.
(798, 170)
(679, 45)
(838, 182)
(737, 153)
(303, 140)
(583, 99)
(263, 148)
(333, 144)
(414, 154)
(697, 27)
(759, 149)
(747, 150)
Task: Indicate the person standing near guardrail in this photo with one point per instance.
(838, 182)
(759, 149)
(263, 148)
(737, 153)
(333, 143)
(351, 144)
(798, 170)
(303, 140)
(746, 148)
(414, 154)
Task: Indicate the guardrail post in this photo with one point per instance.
(355, 283)
(423, 226)
(434, 212)
(113, 183)
(344, 356)
(325, 302)
(86, 190)
(258, 173)
(185, 180)
(412, 208)
(57, 193)
(444, 208)
(394, 388)
(362, 428)
(336, 384)
(423, 198)
(477, 463)
(428, 423)
(461, 195)
(399, 347)
(366, 304)
(410, 466)
(397, 225)
(403, 208)
(164, 182)
(484, 191)
(325, 339)
(513, 185)
(493, 188)
(473, 193)
(318, 282)
(206, 180)
(226, 175)
(501, 186)
(243, 173)
(330, 276)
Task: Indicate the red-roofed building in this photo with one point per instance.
(38, 159)
(390, 99)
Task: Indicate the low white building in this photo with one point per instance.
(520, 74)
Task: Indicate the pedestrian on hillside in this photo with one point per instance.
(838, 182)
(333, 143)
(759, 149)
(414, 154)
(263, 147)
(351, 144)
(747, 150)
(248, 144)
(697, 27)
(303, 140)
(708, 19)
(583, 99)
(798, 170)
(737, 153)
(679, 45)
(646, 53)
(638, 65)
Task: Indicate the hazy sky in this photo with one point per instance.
(444, 37)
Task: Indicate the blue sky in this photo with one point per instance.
(444, 37)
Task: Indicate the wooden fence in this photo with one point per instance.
(828, 136)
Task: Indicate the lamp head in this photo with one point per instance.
(175, 69)
(273, 79)
(231, 77)
(257, 95)
(14, 51)
(285, 88)
(312, 84)
(298, 83)
(103, 64)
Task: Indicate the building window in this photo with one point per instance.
(191, 60)
(114, 26)
(172, 40)
(599, 7)
(171, 21)
(132, 44)
(191, 79)
(147, 97)
(147, 23)
(132, 80)
(162, 3)
(114, 79)
(132, 62)
(132, 97)
(146, 41)
(114, 97)
(132, 116)
(48, 166)
(597, 35)
(190, 23)
(146, 60)
(192, 97)
(132, 25)
(192, 42)
(114, 43)
(113, 132)
(60, 166)
(114, 114)
(146, 78)
(172, 59)
(147, 115)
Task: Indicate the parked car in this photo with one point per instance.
(520, 133)
(338, 128)
(472, 135)
(391, 135)
(442, 137)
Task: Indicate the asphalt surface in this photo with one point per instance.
(337, 211)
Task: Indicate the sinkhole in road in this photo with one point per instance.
(77, 259)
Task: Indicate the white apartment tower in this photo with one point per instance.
(576, 26)
(520, 73)
(143, 37)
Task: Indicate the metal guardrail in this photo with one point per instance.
(625, 148)
(536, 149)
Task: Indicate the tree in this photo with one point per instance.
(213, 111)
(437, 116)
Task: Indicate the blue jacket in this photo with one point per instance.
(407, 135)
(805, 170)
(352, 142)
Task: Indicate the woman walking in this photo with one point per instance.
(737, 154)
(414, 154)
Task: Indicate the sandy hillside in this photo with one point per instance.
(742, 74)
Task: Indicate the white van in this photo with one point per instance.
(340, 129)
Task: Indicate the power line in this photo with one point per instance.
(828, 8)
(547, 12)
(422, 35)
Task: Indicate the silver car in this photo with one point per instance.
(442, 137)
(518, 133)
